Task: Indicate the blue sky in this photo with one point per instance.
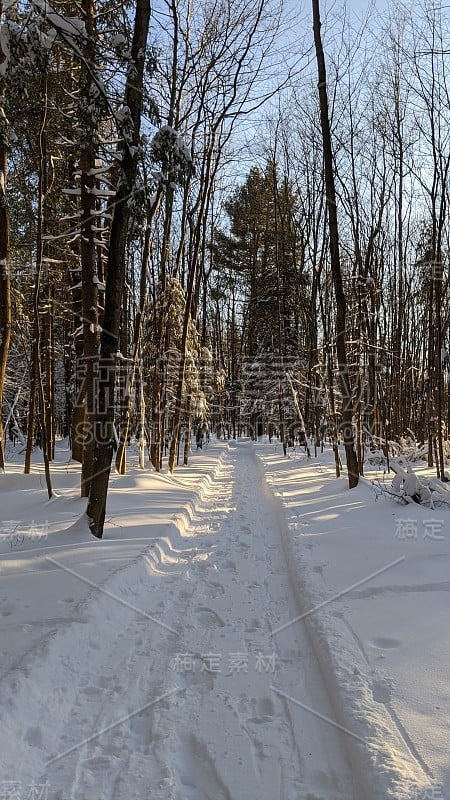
(357, 7)
(362, 5)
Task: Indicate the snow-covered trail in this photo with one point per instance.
(238, 735)
(194, 698)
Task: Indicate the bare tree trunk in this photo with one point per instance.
(5, 289)
(430, 378)
(187, 432)
(5, 282)
(115, 277)
(42, 187)
(329, 379)
(88, 250)
(142, 436)
(341, 304)
(77, 395)
(121, 461)
(440, 464)
(49, 364)
(182, 368)
(159, 377)
(191, 303)
(31, 417)
(280, 332)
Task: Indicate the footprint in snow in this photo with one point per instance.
(257, 710)
(216, 588)
(34, 737)
(228, 564)
(208, 617)
(197, 772)
(382, 690)
(385, 643)
(253, 625)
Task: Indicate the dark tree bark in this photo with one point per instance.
(42, 191)
(121, 460)
(5, 286)
(335, 262)
(115, 277)
(31, 416)
(49, 367)
(88, 250)
(159, 377)
(182, 366)
(191, 299)
(76, 419)
(5, 283)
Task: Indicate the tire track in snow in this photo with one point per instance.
(129, 760)
(257, 744)
(67, 696)
(225, 735)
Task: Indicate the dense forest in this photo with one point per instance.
(167, 264)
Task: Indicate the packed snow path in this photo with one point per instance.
(185, 692)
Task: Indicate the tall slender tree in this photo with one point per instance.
(335, 260)
(5, 280)
(115, 275)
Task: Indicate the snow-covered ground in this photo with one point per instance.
(231, 638)
(373, 578)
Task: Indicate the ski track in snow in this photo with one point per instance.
(207, 729)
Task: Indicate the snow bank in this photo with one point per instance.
(364, 589)
(66, 597)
